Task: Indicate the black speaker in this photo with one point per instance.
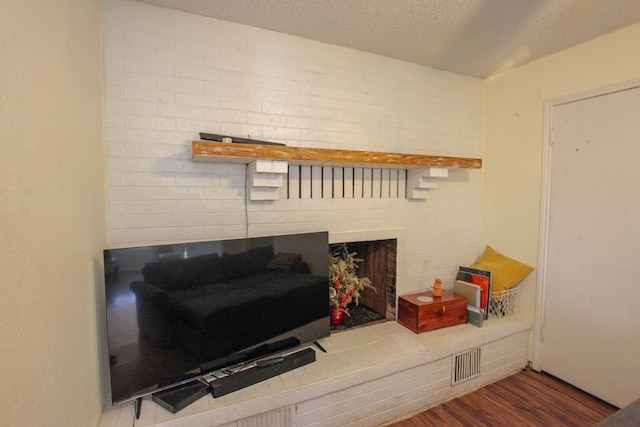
(177, 398)
(265, 369)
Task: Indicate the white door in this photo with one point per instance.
(591, 330)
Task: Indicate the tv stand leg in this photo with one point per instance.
(320, 347)
(137, 407)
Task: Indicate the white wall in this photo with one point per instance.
(52, 205)
(170, 75)
(514, 137)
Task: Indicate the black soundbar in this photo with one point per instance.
(269, 368)
(253, 354)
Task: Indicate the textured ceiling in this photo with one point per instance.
(472, 37)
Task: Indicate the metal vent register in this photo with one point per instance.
(284, 417)
(465, 365)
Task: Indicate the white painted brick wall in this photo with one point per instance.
(170, 75)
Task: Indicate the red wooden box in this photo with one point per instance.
(448, 310)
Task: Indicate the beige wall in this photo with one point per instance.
(514, 137)
(52, 223)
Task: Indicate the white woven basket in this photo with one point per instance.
(504, 303)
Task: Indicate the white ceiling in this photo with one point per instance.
(472, 37)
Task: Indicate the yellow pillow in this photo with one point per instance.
(505, 271)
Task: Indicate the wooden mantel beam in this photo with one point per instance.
(211, 151)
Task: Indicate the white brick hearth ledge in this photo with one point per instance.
(369, 376)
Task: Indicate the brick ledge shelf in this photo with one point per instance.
(369, 376)
(269, 163)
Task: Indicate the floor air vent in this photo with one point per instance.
(465, 365)
(284, 417)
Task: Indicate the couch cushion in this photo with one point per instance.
(246, 263)
(271, 293)
(284, 261)
(227, 306)
(184, 273)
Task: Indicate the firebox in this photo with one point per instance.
(379, 265)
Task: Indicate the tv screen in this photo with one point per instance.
(180, 311)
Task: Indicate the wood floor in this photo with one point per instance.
(528, 398)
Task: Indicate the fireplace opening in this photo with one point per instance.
(379, 265)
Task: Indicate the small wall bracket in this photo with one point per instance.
(421, 181)
(265, 178)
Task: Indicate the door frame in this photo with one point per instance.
(545, 197)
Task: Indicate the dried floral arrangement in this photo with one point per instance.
(345, 287)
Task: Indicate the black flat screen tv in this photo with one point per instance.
(178, 312)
